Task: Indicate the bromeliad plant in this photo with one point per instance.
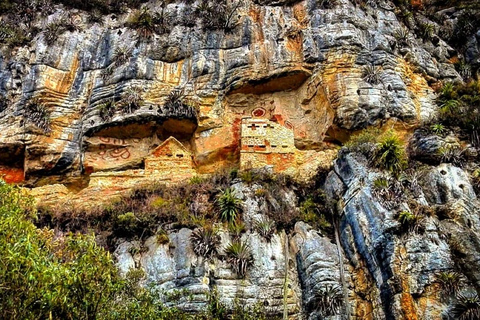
(229, 206)
(265, 227)
(327, 300)
(450, 281)
(239, 257)
(390, 154)
(466, 307)
(205, 241)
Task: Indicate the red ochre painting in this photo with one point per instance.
(12, 175)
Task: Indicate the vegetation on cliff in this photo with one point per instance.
(44, 275)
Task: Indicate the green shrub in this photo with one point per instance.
(390, 154)
(459, 108)
(411, 222)
(229, 206)
(239, 257)
(364, 142)
(236, 229)
(438, 129)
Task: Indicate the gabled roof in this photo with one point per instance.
(170, 141)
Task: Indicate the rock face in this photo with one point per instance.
(101, 110)
(286, 272)
(401, 268)
(302, 66)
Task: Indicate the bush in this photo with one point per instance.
(459, 108)
(218, 15)
(410, 222)
(148, 23)
(364, 142)
(390, 154)
(239, 257)
(132, 100)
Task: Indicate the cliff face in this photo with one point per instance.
(103, 108)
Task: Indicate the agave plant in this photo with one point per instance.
(371, 74)
(239, 257)
(144, 22)
(205, 242)
(132, 99)
(328, 300)
(438, 129)
(229, 206)
(265, 227)
(466, 307)
(403, 37)
(121, 55)
(450, 281)
(390, 154)
(107, 110)
(37, 113)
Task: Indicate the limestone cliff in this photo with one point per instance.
(105, 106)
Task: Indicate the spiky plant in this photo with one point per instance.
(121, 55)
(427, 30)
(388, 191)
(144, 22)
(236, 229)
(390, 154)
(371, 74)
(466, 307)
(453, 154)
(450, 107)
(174, 99)
(438, 129)
(265, 227)
(229, 205)
(37, 113)
(328, 300)
(411, 222)
(403, 37)
(205, 241)
(107, 110)
(132, 99)
(450, 281)
(239, 257)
